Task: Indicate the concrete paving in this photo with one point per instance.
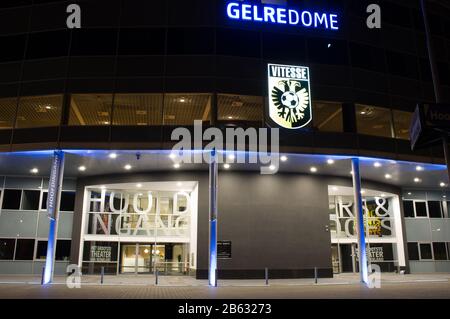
(143, 286)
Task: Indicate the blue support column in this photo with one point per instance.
(359, 215)
(213, 173)
(53, 200)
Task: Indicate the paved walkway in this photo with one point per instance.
(187, 281)
(132, 287)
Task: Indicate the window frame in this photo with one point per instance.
(426, 207)
(420, 251)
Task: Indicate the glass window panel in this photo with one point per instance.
(402, 121)
(138, 109)
(62, 250)
(24, 249)
(90, 109)
(435, 209)
(30, 200)
(372, 120)
(421, 209)
(41, 251)
(11, 199)
(439, 250)
(7, 249)
(39, 111)
(8, 107)
(327, 116)
(413, 251)
(425, 251)
(240, 108)
(67, 201)
(183, 109)
(408, 208)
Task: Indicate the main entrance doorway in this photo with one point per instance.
(145, 258)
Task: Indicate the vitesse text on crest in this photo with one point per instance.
(289, 95)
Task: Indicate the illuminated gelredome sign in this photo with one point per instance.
(282, 15)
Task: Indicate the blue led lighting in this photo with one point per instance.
(213, 253)
(282, 15)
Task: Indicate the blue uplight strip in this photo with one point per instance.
(363, 268)
(53, 199)
(213, 253)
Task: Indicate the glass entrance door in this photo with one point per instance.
(144, 258)
(127, 258)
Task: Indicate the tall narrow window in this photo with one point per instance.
(39, 111)
(90, 109)
(240, 108)
(373, 120)
(8, 112)
(138, 109)
(183, 109)
(327, 116)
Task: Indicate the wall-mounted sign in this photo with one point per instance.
(289, 95)
(282, 15)
(429, 123)
(224, 249)
(54, 185)
(101, 253)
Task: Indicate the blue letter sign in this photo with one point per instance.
(282, 15)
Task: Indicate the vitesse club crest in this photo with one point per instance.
(289, 95)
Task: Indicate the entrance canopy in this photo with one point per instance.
(81, 163)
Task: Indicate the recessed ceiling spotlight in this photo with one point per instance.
(82, 168)
(283, 158)
(442, 184)
(377, 164)
(388, 176)
(330, 161)
(112, 155)
(176, 165)
(329, 45)
(230, 117)
(419, 168)
(410, 193)
(182, 100)
(313, 169)
(139, 185)
(34, 170)
(417, 180)
(127, 167)
(226, 166)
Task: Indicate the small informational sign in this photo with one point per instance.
(101, 253)
(224, 249)
(289, 95)
(376, 254)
